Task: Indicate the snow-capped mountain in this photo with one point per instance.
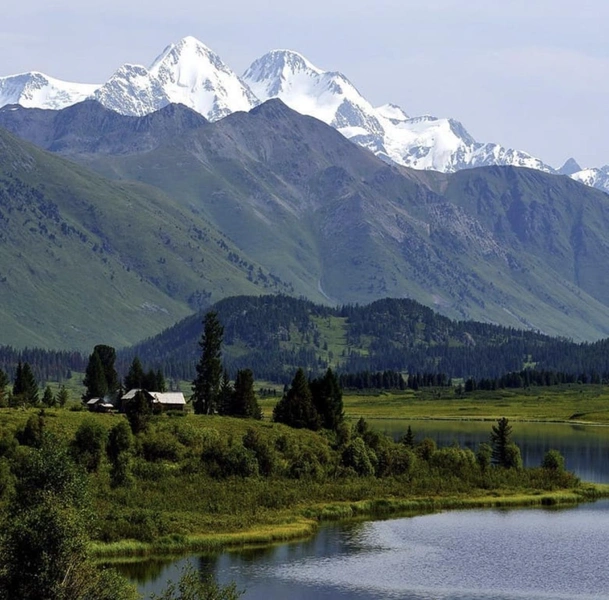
(36, 90)
(188, 73)
(420, 142)
(594, 177)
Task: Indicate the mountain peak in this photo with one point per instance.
(570, 167)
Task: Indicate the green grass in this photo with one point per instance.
(571, 403)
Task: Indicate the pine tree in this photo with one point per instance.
(62, 396)
(296, 407)
(135, 376)
(25, 387)
(225, 395)
(500, 441)
(95, 378)
(245, 403)
(206, 385)
(107, 355)
(328, 400)
(408, 439)
(48, 399)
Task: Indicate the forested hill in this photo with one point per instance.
(273, 335)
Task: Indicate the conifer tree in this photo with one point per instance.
(328, 400)
(48, 399)
(206, 385)
(296, 407)
(245, 403)
(500, 442)
(4, 381)
(95, 378)
(62, 396)
(135, 376)
(25, 387)
(225, 395)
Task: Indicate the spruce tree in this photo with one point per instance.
(4, 381)
(328, 400)
(62, 396)
(296, 407)
(225, 395)
(107, 355)
(135, 376)
(245, 403)
(206, 385)
(48, 399)
(500, 441)
(25, 387)
(95, 378)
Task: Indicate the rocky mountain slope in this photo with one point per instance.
(501, 244)
(189, 73)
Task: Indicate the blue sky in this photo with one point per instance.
(530, 75)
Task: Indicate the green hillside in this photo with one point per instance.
(83, 259)
(274, 335)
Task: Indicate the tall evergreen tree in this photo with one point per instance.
(206, 385)
(135, 376)
(95, 378)
(500, 442)
(225, 395)
(245, 403)
(296, 407)
(107, 355)
(328, 400)
(25, 387)
(48, 399)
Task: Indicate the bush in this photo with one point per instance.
(357, 456)
(89, 444)
(553, 461)
(161, 445)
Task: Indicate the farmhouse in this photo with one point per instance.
(159, 401)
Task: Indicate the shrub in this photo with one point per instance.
(161, 445)
(89, 444)
(553, 460)
(357, 456)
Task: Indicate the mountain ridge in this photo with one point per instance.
(190, 73)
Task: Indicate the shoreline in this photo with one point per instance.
(306, 522)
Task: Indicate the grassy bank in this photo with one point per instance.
(306, 523)
(205, 483)
(572, 403)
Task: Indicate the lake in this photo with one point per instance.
(456, 555)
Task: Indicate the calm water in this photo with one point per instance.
(458, 555)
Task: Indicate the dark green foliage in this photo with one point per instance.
(89, 444)
(157, 446)
(484, 456)
(408, 438)
(62, 396)
(328, 400)
(425, 449)
(225, 460)
(359, 457)
(135, 377)
(101, 378)
(25, 387)
(95, 379)
(120, 440)
(206, 385)
(193, 586)
(225, 395)
(48, 399)
(43, 548)
(265, 454)
(32, 433)
(500, 440)
(296, 407)
(138, 412)
(244, 402)
(4, 381)
(553, 460)
(513, 459)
